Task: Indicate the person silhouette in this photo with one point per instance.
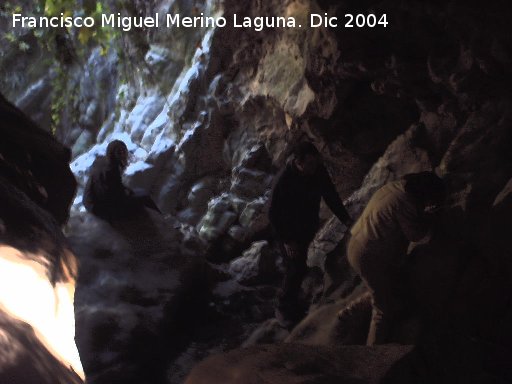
(293, 214)
(105, 195)
(398, 213)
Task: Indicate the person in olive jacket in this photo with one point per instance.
(294, 216)
(398, 213)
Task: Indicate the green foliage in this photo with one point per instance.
(62, 47)
(81, 37)
(22, 46)
(6, 10)
(62, 50)
(81, 40)
(10, 37)
(58, 98)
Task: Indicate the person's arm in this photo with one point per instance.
(414, 224)
(332, 199)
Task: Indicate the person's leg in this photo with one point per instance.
(381, 282)
(386, 304)
(295, 256)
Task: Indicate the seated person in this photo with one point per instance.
(105, 195)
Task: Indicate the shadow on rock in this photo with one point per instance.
(139, 290)
(301, 364)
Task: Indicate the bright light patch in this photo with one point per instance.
(26, 293)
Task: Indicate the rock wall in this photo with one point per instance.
(209, 116)
(36, 191)
(139, 289)
(429, 93)
(246, 93)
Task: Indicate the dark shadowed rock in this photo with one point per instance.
(33, 161)
(257, 265)
(300, 364)
(138, 294)
(270, 332)
(36, 189)
(428, 92)
(323, 327)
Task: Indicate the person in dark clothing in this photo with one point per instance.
(105, 195)
(294, 217)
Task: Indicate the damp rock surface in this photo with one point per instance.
(209, 123)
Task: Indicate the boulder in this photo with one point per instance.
(146, 110)
(254, 217)
(270, 332)
(138, 287)
(36, 188)
(37, 164)
(257, 157)
(217, 220)
(301, 364)
(323, 327)
(249, 184)
(257, 264)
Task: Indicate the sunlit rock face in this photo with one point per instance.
(39, 317)
(38, 270)
(25, 359)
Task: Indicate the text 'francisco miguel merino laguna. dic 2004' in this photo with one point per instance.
(126, 23)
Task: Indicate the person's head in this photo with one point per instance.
(306, 158)
(117, 153)
(427, 188)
